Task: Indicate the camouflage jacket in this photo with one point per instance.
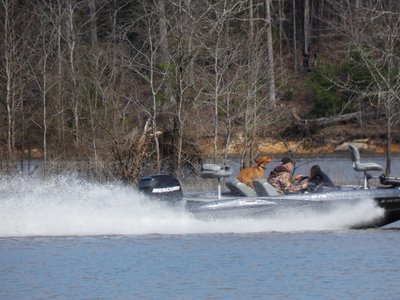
(281, 179)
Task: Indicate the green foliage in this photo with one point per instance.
(367, 72)
(327, 99)
(325, 81)
(161, 98)
(358, 71)
(169, 70)
(286, 91)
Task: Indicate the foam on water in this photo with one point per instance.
(67, 206)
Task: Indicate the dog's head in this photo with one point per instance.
(263, 160)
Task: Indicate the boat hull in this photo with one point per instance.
(262, 207)
(383, 202)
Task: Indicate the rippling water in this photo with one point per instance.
(301, 265)
(65, 238)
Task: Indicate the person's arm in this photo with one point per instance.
(294, 186)
(299, 177)
(286, 183)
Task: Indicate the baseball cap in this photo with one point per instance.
(286, 160)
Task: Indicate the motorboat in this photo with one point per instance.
(263, 201)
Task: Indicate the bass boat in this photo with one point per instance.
(263, 201)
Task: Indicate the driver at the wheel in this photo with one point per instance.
(282, 180)
(319, 179)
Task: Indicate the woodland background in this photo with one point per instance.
(121, 88)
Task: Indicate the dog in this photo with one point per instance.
(249, 174)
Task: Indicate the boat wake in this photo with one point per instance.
(67, 206)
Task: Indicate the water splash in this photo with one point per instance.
(67, 206)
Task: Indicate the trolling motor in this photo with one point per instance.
(162, 187)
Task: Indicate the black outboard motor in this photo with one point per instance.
(162, 187)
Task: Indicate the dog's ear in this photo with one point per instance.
(265, 160)
(269, 159)
(258, 160)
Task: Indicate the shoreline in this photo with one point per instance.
(276, 147)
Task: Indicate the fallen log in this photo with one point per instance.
(327, 120)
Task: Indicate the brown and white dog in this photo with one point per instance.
(249, 174)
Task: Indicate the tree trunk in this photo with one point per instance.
(281, 17)
(178, 121)
(8, 66)
(60, 102)
(306, 37)
(71, 44)
(162, 25)
(251, 21)
(93, 24)
(320, 7)
(294, 37)
(388, 138)
(94, 76)
(154, 109)
(216, 96)
(270, 56)
(44, 100)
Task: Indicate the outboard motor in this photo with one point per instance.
(162, 187)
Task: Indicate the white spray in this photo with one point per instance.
(67, 206)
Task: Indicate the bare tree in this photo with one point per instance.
(376, 55)
(45, 46)
(9, 52)
(15, 57)
(57, 13)
(179, 81)
(223, 52)
(10, 65)
(71, 39)
(146, 64)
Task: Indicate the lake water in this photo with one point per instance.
(296, 265)
(66, 238)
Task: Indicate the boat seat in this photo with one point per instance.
(215, 171)
(363, 167)
(264, 188)
(238, 188)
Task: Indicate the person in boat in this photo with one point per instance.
(319, 179)
(282, 180)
